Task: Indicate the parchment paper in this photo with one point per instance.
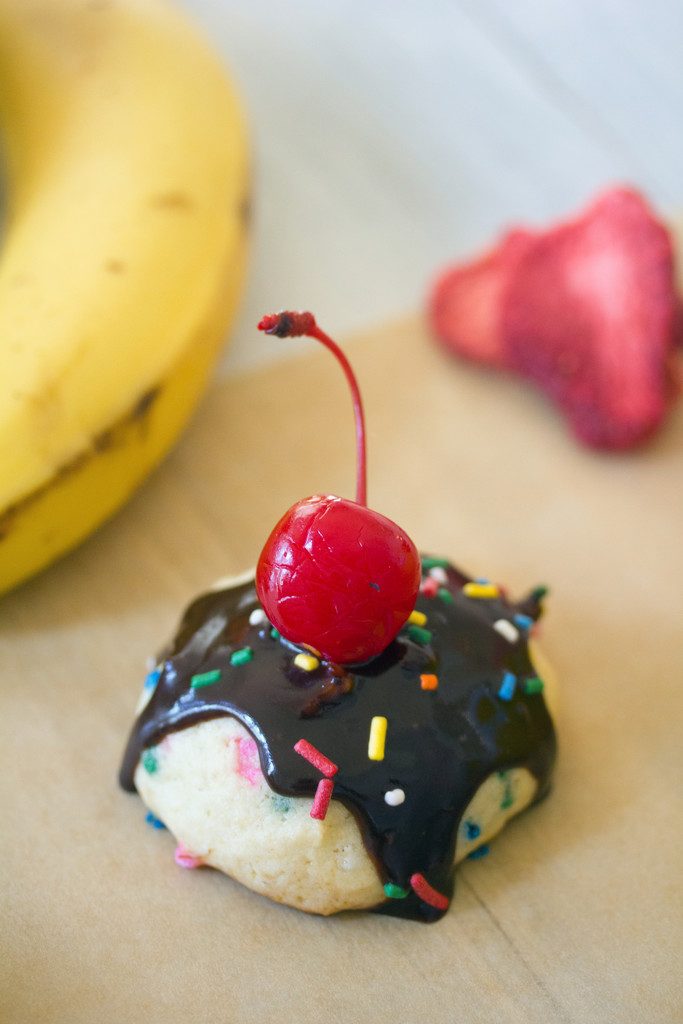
(575, 914)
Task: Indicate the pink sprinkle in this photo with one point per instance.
(426, 893)
(314, 757)
(248, 764)
(185, 859)
(429, 587)
(321, 800)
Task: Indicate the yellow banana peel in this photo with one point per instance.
(126, 170)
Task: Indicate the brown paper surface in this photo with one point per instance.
(574, 915)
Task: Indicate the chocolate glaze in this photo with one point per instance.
(441, 745)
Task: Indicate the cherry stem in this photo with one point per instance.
(295, 325)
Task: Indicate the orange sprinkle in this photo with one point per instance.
(429, 682)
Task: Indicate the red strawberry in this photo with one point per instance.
(587, 309)
(466, 301)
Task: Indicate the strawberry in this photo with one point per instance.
(587, 310)
(466, 301)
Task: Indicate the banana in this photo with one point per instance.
(126, 171)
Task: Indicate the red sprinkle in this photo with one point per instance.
(429, 587)
(424, 890)
(314, 757)
(321, 800)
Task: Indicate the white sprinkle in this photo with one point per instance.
(258, 617)
(439, 574)
(506, 629)
(394, 797)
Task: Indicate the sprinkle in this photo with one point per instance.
(506, 629)
(482, 590)
(508, 798)
(507, 687)
(434, 563)
(446, 596)
(282, 804)
(419, 635)
(314, 757)
(152, 820)
(152, 678)
(417, 618)
(524, 622)
(439, 574)
(481, 579)
(275, 633)
(149, 761)
(429, 682)
(429, 587)
(472, 830)
(313, 650)
(307, 662)
(321, 800)
(538, 593)
(205, 678)
(185, 859)
(394, 892)
(378, 735)
(426, 893)
(533, 685)
(248, 763)
(394, 797)
(481, 851)
(241, 657)
(258, 617)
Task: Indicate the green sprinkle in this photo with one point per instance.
(394, 892)
(508, 799)
(434, 563)
(205, 678)
(241, 657)
(539, 592)
(445, 595)
(274, 633)
(149, 761)
(533, 685)
(419, 635)
(281, 803)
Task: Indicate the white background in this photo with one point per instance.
(391, 136)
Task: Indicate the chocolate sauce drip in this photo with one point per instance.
(440, 747)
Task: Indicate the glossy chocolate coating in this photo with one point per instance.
(440, 747)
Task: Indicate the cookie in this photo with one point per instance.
(409, 762)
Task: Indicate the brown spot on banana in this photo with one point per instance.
(174, 200)
(107, 439)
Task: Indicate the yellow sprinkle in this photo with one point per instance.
(480, 590)
(378, 734)
(417, 618)
(307, 662)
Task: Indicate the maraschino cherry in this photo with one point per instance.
(334, 575)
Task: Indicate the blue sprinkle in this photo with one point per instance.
(481, 851)
(153, 821)
(152, 678)
(472, 830)
(481, 579)
(507, 687)
(523, 621)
